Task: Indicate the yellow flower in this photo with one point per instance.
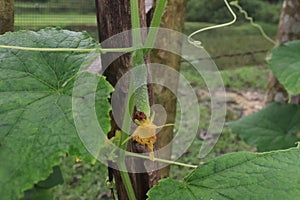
(77, 159)
(145, 134)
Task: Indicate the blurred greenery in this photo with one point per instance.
(215, 11)
(82, 181)
(37, 21)
(55, 6)
(234, 79)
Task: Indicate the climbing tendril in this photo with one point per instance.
(198, 43)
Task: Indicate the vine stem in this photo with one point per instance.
(158, 13)
(103, 51)
(161, 160)
(135, 23)
(126, 128)
(126, 179)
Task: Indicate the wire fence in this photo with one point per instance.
(58, 13)
(241, 54)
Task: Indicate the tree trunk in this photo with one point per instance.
(6, 16)
(173, 18)
(114, 17)
(288, 29)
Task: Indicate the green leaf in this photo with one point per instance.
(242, 175)
(274, 127)
(38, 194)
(36, 121)
(285, 65)
(54, 179)
(41, 189)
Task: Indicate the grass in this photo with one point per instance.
(55, 6)
(70, 21)
(234, 79)
(37, 21)
(246, 77)
(82, 181)
(32, 5)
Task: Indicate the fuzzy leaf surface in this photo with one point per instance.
(243, 175)
(36, 121)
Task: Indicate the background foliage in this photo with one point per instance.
(214, 11)
(57, 6)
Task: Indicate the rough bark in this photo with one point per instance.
(288, 29)
(6, 16)
(114, 17)
(173, 18)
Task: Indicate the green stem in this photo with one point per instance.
(126, 179)
(135, 23)
(120, 50)
(127, 117)
(161, 160)
(126, 128)
(141, 93)
(108, 50)
(155, 22)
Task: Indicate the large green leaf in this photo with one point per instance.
(274, 127)
(36, 122)
(285, 64)
(243, 175)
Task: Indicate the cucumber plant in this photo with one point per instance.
(38, 71)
